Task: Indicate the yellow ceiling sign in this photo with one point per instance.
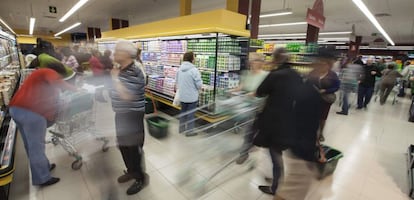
(222, 21)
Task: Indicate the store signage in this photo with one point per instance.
(52, 9)
(316, 19)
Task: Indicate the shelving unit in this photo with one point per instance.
(218, 39)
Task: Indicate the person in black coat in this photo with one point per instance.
(367, 84)
(276, 122)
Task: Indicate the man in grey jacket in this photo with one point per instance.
(189, 83)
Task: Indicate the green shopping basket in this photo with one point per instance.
(157, 125)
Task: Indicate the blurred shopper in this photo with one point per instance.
(276, 122)
(381, 65)
(140, 64)
(69, 59)
(300, 159)
(326, 82)
(389, 79)
(34, 108)
(128, 103)
(359, 61)
(407, 72)
(108, 65)
(367, 83)
(349, 82)
(188, 83)
(98, 74)
(249, 82)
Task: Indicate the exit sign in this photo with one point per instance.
(52, 9)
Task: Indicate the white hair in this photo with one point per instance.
(127, 46)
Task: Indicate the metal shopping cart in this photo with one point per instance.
(75, 121)
(214, 139)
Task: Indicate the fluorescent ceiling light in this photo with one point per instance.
(336, 33)
(373, 20)
(73, 10)
(31, 25)
(7, 26)
(304, 34)
(331, 42)
(275, 13)
(335, 39)
(67, 29)
(282, 24)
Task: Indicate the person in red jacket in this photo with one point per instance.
(98, 71)
(34, 108)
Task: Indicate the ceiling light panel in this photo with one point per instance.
(73, 10)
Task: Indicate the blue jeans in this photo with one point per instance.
(277, 161)
(345, 101)
(187, 120)
(364, 96)
(32, 127)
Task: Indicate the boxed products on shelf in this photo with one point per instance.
(228, 63)
(228, 81)
(207, 77)
(170, 72)
(206, 95)
(205, 61)
(168, 86)
(304, 70)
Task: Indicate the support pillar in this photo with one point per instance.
(354, 47)
(312, 34)
(255, 18)
(185, 7)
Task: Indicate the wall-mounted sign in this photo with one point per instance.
(53, 9)
(316, 19)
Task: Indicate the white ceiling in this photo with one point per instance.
(340, 14)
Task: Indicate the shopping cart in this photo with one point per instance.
(214, 139)
(74, 123)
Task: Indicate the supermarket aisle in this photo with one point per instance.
(374, 166)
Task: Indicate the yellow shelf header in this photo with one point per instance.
(221, 21)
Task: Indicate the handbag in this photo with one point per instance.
(329, 98)
(176, 101)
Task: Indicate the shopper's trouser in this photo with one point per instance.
(385, 92)
(248, 139)
(187, 116)
(277, 161)
(130, 137)
(345, 101)
(364, 96)
(300, 177)
(32, 127)
(377, 87)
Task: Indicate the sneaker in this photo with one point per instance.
(51, 181)
(125, 178)
(135, 187)
(242, 158)
(52, 167)
(341, 113)
(266, 189)
(190, 134)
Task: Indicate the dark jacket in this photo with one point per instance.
(306, 113)
(367, 79)
(330, 82)
(276, 122)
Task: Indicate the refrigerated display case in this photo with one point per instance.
(9, 82)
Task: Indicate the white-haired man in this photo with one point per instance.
(128, 103)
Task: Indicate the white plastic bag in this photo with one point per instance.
(176, 101)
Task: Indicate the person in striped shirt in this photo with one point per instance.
(128, 103)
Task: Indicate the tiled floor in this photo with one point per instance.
(374, 143)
